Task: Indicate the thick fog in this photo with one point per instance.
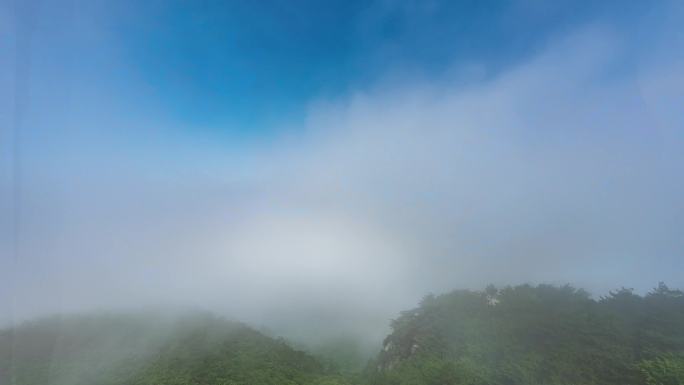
(566, 167)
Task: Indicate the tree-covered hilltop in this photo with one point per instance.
(522, 335)
(83, 349)
(536, 335)
(151, 350)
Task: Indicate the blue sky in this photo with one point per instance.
(251, 64)
(252, 157)
(245, 67)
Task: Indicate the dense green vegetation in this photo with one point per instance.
(512, 336)
(151, 350)
(537, 335)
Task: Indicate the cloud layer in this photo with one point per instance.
(564, 168)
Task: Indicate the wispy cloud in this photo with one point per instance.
(563, 168)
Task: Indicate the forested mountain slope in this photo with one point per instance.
(150, 350)
(522, 335)
(537, 335)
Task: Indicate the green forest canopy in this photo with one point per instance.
(511, 336)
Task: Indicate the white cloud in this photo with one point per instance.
(562, 169)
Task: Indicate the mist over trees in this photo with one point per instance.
(515, 335)
(265, 192)
(537, 335)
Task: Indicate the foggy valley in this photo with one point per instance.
(386, 192)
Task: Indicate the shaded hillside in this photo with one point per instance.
(150, 350)
(537, 335)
